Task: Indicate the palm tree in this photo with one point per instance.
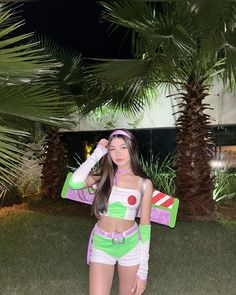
(69, 83)
(183, 44)
(23, 95)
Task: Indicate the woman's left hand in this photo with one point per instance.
(103, 142)
(139, 286)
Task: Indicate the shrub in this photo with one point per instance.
(162, 173)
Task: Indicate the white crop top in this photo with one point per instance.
(123, 203)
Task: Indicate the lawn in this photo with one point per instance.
(43, 252)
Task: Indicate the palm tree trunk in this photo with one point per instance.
(54, 165)
(194, 181)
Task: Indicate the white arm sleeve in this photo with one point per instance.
(144, 257)
(145, 235)
(79, 176)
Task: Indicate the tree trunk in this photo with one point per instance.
(194, 180)
(54, 165)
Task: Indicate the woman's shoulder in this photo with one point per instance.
(146, 182)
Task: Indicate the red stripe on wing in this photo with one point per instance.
(168, 202)
(158, 197)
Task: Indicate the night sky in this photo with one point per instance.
(76, 24)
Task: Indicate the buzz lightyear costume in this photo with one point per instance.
(125, 248)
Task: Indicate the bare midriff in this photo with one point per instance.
(111, 224)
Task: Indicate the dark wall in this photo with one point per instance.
(152, 141)
(224, 135)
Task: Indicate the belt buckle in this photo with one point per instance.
(118, 241)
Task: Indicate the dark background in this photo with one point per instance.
(152, 142)
(76, 24)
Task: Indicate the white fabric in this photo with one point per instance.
(144, 257)
(83, 171)
(123, 200)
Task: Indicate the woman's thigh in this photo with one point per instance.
(127, 276)
(100, 278)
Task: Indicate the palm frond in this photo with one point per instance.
(121, 70)
(20, 60)
(230, 55)
(129, 14)
(12, 9)
(126, 87)
(154, 28)
(33, 103)
(11, 152)
(22, 93)
(209, 14)
(72, 70)
(117, 99)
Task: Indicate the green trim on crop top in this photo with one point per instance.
(123, 203)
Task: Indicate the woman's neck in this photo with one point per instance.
(123, 170)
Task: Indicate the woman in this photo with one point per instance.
(122, 190)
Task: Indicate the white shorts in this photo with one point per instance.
(129, 259)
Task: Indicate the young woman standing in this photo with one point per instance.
(122, 189)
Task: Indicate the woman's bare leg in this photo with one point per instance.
(100, 278)
(127, 275)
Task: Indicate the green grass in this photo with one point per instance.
(41, 253)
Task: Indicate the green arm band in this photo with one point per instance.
(145, 232)
(76, 185)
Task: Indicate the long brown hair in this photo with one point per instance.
(108, 169)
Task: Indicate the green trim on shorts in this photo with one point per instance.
(115, 250)
(145, 232)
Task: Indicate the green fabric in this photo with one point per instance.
(66, 186)
(76, 185)
(117, 210)
(145, 232)
(115, 250)
(174, 211)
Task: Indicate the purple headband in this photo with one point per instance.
(120, 132)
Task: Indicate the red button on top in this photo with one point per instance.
(132, 200)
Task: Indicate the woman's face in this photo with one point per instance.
(119, 153)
